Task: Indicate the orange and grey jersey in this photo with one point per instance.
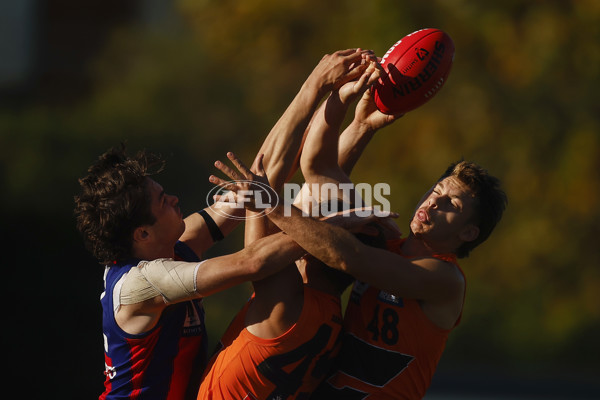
(286, 367)
(390, 349)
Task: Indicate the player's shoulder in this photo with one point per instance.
(442, 267)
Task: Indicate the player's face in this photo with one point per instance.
(444, 213)
(169, 225)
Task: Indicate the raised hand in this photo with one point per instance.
(247, 188)
(369, 116)
(351, 90)
(338, 68)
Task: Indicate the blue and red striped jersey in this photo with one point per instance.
(163, 363)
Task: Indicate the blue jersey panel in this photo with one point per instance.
(158, 364)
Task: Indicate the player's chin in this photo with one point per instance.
(416, 226)
(419, 228)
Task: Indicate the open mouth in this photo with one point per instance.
(422, 216)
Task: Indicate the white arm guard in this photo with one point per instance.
(173, 280)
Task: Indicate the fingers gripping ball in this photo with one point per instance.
(416, 68)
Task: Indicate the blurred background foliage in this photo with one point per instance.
(192, 79)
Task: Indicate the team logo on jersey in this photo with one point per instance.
(109, 371)
(358, 290)
(194, 320)
(390, 299)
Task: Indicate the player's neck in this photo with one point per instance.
(416, 246)
(153, 252)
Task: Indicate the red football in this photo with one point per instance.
(416, 67)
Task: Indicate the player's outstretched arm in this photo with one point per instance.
(357, 135)
(426, 279)
(319, 160)
(161, 282)
(283, 143)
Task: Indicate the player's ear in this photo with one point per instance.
(469, 233)
(140, 234)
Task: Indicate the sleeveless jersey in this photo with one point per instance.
(159, 364)
(390, 348)
(287, 367)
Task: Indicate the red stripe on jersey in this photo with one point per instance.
(188, 350)
(141, 352)
(108, 368)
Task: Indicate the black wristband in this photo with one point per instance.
(213, 228)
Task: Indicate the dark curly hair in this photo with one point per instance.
(490, 200)
(114, 200)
